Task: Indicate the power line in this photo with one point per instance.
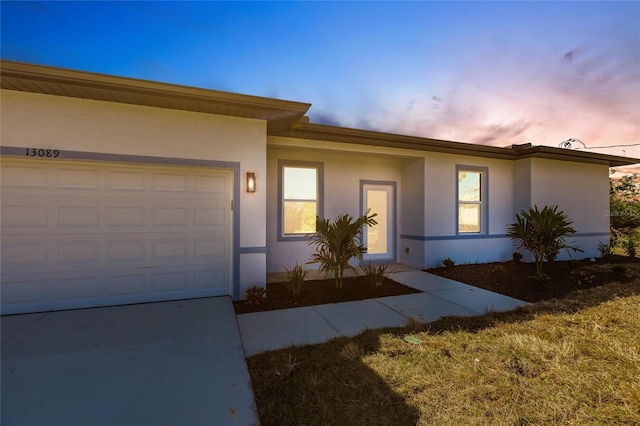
(568, 144)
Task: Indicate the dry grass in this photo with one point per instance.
(569, 361)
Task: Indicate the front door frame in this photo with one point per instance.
(391, 187)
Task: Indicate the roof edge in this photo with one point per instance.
(271, 109)
(315, 131)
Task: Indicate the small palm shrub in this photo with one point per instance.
(583, 275)
(337, 241)
(295, 279)
(375, 274)
(619, 272)
(449, 264)
(517, 257)
(541, 278)
(497, 270)
(606, 250)
(543, 233)
(255, 295)
(630, 247)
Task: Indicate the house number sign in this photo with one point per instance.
(42, 153)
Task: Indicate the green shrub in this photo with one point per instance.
(517, 257)
(541, 278)
(583, 275)
(630, 247)
(619, 272)
(606, 250)
(255, 295)
(295, 279)
(448, 263)
(542, 232)
(497, 270)
(337, 242)
(375, 274)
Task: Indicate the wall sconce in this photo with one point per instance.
(251, 182)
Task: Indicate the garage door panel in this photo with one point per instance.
(126, 215)
(131, 182)
(168, 282)
(19, 255)
(133, 283)
(23, 212)
(171, 251)
(127, 251)
(76, 214)
(79, 234)
(210, 247)
(211, 216)
(30, 290)
(212, 184)
(170, 182)
(169, 215)
(70, 179)
(78, 253)
(210, 281)
(25, 177)
(75, 288)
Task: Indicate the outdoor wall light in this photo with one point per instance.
(251, 182)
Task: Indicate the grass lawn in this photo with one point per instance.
(574, 360)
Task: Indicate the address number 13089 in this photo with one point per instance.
(44, 153)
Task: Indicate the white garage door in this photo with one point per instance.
(80, 234)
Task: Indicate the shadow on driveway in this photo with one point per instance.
(167, 363)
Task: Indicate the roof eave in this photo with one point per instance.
(86, 85)
(314, 131)
(562, 154)
(305, 130)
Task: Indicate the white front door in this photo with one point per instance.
(380, 239)
(79, 234)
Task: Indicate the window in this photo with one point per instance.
(471, 200)
(300, 196)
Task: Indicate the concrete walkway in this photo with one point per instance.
(441, 297)
(183, 362)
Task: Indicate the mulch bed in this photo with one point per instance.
(508, 278)
(319, 292)
(515, 278)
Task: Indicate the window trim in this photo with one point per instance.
(484, 199)
(319, 166)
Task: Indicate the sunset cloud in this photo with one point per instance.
(492, 73)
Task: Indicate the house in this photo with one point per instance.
(116, 190)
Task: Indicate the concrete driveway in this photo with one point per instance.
(167, 363)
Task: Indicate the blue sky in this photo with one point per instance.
(493, 73)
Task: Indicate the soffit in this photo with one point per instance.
(368, 137)
(321, 132)
(100, 87)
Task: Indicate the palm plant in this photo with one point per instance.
(337, 241)
(542, 232)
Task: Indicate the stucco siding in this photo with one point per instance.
(521, 184)
(413, 208)
(440, 193)
(342, 175)
(441, 239)
(466, 251)
(112, 130)
(580, 190)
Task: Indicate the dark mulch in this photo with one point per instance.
(323, 291)
(508, 278)
(514, 279)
